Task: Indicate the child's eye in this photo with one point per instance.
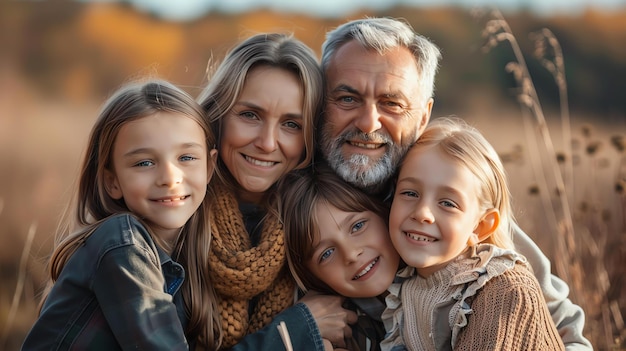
(326, 254)
(410, 193)
(188, 158)
(145, 163)
(448, 203)
(358, 226)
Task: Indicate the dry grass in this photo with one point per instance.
(582, 228)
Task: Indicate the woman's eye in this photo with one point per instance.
(293, 125)
(248, 114)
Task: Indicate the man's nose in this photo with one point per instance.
(369, 119)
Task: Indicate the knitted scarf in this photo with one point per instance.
(240, 272)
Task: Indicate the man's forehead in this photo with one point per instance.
(353, 60)
(372, 73)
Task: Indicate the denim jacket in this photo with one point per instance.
(115, 292)
(301, 327)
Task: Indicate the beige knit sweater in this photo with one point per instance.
(490, 301)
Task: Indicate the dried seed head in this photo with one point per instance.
(593, 147)
(604, 163)
(558, 191)
(618, 142)
(606, 216)
(533, 190)
(586, 130)
(561, 157)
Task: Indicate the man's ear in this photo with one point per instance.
(111, 185)
(428, 108)
(485, 227)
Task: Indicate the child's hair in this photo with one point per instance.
(301, 191)
(92, 204)
(465, 144)
(273, 50)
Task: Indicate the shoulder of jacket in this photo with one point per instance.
(119, 230)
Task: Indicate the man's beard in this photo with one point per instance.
(361, 170)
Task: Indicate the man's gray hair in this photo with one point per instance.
(383, 34)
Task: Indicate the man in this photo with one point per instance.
(379, 96)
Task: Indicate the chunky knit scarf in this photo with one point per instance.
(240, 272)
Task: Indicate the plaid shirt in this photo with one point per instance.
(115, 292)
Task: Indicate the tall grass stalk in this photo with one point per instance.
(21, 279)
(548, 52)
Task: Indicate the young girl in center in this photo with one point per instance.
(130, 269)
(338, 243)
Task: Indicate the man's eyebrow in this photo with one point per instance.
(346, 88)
(394, 95)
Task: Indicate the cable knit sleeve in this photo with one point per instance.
(510, 314)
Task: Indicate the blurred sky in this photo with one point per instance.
(181, 10)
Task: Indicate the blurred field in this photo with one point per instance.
(58, 64)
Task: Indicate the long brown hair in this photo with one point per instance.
(92, 204)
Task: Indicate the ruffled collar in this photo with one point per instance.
(467, 275)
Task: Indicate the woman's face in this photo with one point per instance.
(262, 136)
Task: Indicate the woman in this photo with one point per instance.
(262, 103)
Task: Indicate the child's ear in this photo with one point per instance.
(211, 164)
(486, 226)
(111, 185)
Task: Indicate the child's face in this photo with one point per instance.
(435, 209)
(161, 170)
(353, 254)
